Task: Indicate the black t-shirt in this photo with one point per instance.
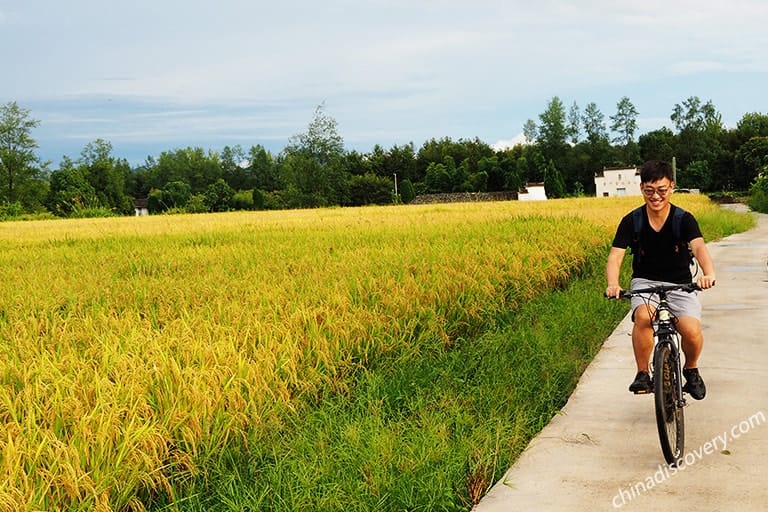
(662, 259)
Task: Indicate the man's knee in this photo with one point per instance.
(690, 330)
(642, 315)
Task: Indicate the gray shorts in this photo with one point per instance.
(681, 303)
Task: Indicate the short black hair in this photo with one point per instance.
(655, 170)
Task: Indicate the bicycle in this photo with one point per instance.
(666, 369)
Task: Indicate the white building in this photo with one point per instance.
(617, 181)
(532, 192)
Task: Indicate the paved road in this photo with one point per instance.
(602, 451)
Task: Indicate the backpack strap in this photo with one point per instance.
(637, 223)
(677, 222)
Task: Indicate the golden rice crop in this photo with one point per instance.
(133, 348)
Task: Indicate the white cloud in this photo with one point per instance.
(501, 145)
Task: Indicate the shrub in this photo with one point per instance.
(197, 204)
(243, 200)
(10, 210)
(758, 199)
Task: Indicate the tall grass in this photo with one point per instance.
(143, 353)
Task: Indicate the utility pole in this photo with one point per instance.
(674, 170)
(395, 175)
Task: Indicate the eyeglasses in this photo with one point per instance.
(650, 191)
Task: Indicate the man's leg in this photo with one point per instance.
(692, 339)
(642, 345)
(692, 342)
(642, 338)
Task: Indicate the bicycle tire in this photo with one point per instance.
(669, 411)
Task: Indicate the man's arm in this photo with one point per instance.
(612, 271)
(700, 251)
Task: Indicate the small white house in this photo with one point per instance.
(617, 181)
(532, 192)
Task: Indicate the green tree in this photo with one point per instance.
(370, 189)
(234, 169)
(313, 164)
(574, 123)
(699, 128)
(553, 131)
(70, 191)
(406, 190)
(692, 114)
(242, 200)
(400, 160)
(436, 151)
(750, 160)
(218, 196)
(624, 124)
(176, 194)
(752, 124)
(263, 170)
(531, 131)
(496, 179)
(594, 124)
(357, 164)
(321, 141)
(106, 174)
(554, 185)
(595, 152)
(657, 145)
(523, 172)
(194, 166)
(438, 179)
(18, 162)
(696, 175)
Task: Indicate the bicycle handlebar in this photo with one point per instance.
(689, 287)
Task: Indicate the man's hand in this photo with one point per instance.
(706, 281)
(613, 291)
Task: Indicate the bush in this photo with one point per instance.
(257, 199)
(407, 192)
(758, 199)
(243, 200)
(197, 204)
(10, 210)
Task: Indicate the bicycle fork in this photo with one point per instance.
(666, 333)
(674, 343)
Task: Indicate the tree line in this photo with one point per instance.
(563, 149)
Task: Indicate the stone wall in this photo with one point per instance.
(464, 197)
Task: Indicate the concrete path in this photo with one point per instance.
(602, 451)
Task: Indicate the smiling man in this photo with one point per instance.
(660, 235)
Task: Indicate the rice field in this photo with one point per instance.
(132, 350)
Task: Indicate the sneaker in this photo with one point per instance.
(642, 384)
(694, 386)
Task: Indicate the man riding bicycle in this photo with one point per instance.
(660, 235)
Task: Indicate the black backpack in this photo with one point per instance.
(677, 220)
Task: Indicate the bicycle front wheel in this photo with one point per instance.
(669, 410)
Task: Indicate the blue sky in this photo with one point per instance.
(155, 75)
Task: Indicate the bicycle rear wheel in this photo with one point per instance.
(669, 410)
